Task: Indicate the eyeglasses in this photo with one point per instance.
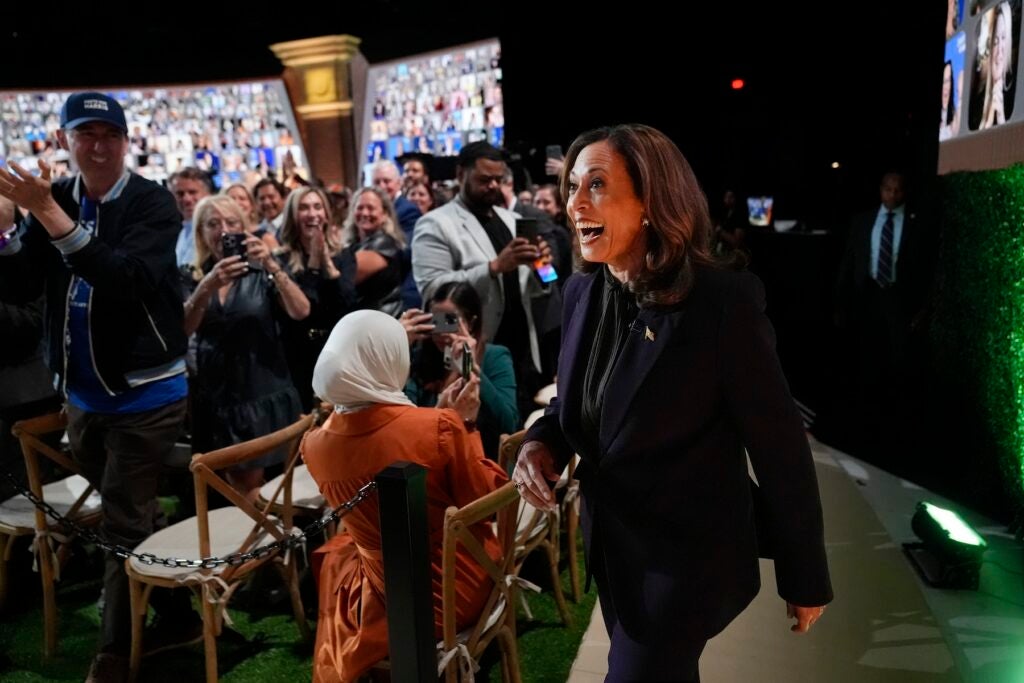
(215, 223)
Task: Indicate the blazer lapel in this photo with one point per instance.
(648, 337)
(570, 379)
(473, 227)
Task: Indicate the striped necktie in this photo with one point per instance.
(884, 277)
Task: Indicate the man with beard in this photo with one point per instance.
(472, 239)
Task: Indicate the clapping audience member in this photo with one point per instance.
(326, 274)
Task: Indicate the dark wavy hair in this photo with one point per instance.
(679, 235)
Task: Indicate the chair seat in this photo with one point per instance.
(533, 417)
(229, 528)
(544, 396)
(18, 514)
(305, 492)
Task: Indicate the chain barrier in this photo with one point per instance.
(232, 560)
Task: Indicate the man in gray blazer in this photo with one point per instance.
(473, 239)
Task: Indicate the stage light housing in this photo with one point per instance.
(950, 552)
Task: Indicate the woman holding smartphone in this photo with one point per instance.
(242, 388)
(452, 325)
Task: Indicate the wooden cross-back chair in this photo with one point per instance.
(71, 497)
(497, 618)
(239, 528)
(536, 528)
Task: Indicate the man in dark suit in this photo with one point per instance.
(881, 293)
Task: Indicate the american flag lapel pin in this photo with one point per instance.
(648, 334)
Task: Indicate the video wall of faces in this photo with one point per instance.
(981, 70)
(434, 103)
(232, 130)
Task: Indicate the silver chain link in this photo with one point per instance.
(232, 560)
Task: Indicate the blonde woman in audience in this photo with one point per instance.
(371, 231)
(326, 274)
(240, 193)
(999, 84)
(242, 388)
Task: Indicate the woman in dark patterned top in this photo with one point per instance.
(371, 231)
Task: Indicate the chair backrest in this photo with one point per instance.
(500, 506)
(29, 433)
(205, 468)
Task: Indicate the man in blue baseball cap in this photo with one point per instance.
(101, 246)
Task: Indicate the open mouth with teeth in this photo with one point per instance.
(589, 231)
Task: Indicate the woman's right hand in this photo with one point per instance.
(224, 272)
(417, 324)
(535, 467)
(462, 397)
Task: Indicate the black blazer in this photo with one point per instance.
(667, 507)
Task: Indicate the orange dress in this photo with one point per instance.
(343, 455)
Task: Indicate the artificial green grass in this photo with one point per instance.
(268, 649)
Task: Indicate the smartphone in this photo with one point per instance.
(553, 152)
(527, 227)
(233, 244)
(545, 272)
(445, 323)
(467, 362)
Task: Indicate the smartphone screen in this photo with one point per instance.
(553, 152)
(546, 272)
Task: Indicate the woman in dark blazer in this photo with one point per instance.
(667, 379)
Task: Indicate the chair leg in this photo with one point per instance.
(509, 650)
(46, 575)
(209, 634)
(290, 575)
(556, 584)
(570, 542)
(139, 600)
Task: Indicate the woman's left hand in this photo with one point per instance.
(256, 250)
(805, 616)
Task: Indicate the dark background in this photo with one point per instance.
(856, 83)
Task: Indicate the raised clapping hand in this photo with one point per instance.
(805, 616)
(25, 189)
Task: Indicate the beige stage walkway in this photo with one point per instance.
(885, 624)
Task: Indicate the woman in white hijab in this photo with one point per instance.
(362, 370)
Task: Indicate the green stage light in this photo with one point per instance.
(949, 555)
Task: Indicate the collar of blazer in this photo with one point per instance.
(650, 334)
(472, 224)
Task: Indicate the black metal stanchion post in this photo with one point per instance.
(402, 491)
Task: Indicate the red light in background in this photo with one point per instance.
(737, 84)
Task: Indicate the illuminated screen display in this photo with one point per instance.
(232, 130)
(434, 103)
(981, 124)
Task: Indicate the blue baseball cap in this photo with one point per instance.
(83, 107)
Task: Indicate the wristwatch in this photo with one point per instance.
(470, 425)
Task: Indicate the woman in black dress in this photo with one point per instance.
(371, 231)
(326, 274)
(242, 388)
